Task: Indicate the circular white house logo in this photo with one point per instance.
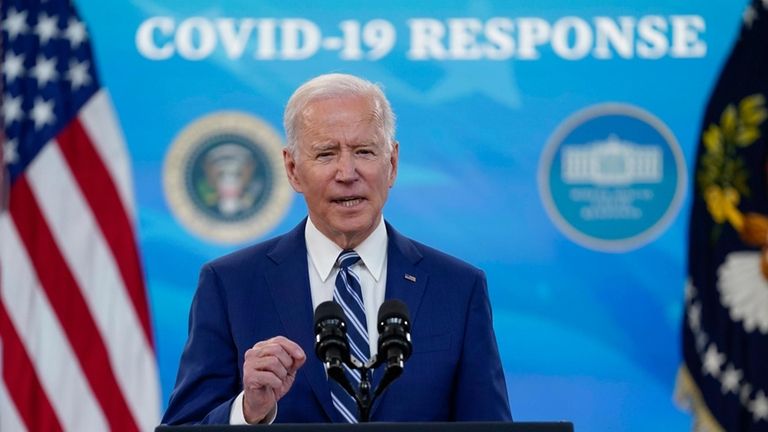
(612, 177)
(223, 177)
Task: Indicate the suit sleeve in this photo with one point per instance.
(481, 391)
(209, 377)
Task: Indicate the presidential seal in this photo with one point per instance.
(223, 178)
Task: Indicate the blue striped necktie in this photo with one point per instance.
(349, 295)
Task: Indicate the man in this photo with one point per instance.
(250, 354)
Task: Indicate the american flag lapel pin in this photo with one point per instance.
(410, 277)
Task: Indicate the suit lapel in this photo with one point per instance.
(405, 282)
(288, 283)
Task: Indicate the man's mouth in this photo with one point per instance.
(348, 202)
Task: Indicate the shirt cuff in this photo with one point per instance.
(237, 417)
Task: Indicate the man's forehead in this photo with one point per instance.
(332, 120)
(326, 110)
(326, 121)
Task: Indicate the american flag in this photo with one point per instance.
(76, 347)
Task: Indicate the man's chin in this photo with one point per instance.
(354, 227)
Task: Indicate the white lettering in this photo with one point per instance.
(145, 38)
(195, 38)
(582, 38)
(612, 34)
(653, 41)
(265, 50)
(459, 38)
(379, 35)
(296, 31)
(532, 33)
(463, 34)
(501, 45)
(234, 39)
(426, 35)
(685, 36)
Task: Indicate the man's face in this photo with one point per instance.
(342, 166)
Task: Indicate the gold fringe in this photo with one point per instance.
(688, 397)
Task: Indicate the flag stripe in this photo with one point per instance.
(43, 338)
(93, 267)
(100, 192)
(22, 382)
(68, 303)
(10, 420)
(98, 120)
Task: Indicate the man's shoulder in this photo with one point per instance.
(258, 253)
(429, 257)
(246, 255)
(443, 259)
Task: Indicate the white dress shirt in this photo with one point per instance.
(321, 262)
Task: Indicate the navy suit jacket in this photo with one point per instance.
(454, 373)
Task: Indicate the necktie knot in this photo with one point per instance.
(347, 259)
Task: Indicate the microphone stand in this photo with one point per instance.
(363, 396)
(331, 347)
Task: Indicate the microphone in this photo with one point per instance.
(394, 324)
(331, 344)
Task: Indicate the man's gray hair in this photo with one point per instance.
(331, 86)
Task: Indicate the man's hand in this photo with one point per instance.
(268, 373)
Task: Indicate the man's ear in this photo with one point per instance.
(290, 170)
(394, 157)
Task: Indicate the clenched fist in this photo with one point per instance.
(268, 373)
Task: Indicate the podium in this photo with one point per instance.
(384, 427)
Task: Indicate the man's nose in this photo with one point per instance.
(346, 169)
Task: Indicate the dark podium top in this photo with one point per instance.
(383, 427)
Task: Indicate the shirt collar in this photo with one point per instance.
(323, 252)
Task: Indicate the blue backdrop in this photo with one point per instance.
(549, 143)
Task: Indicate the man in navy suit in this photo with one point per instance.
(249, 357)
